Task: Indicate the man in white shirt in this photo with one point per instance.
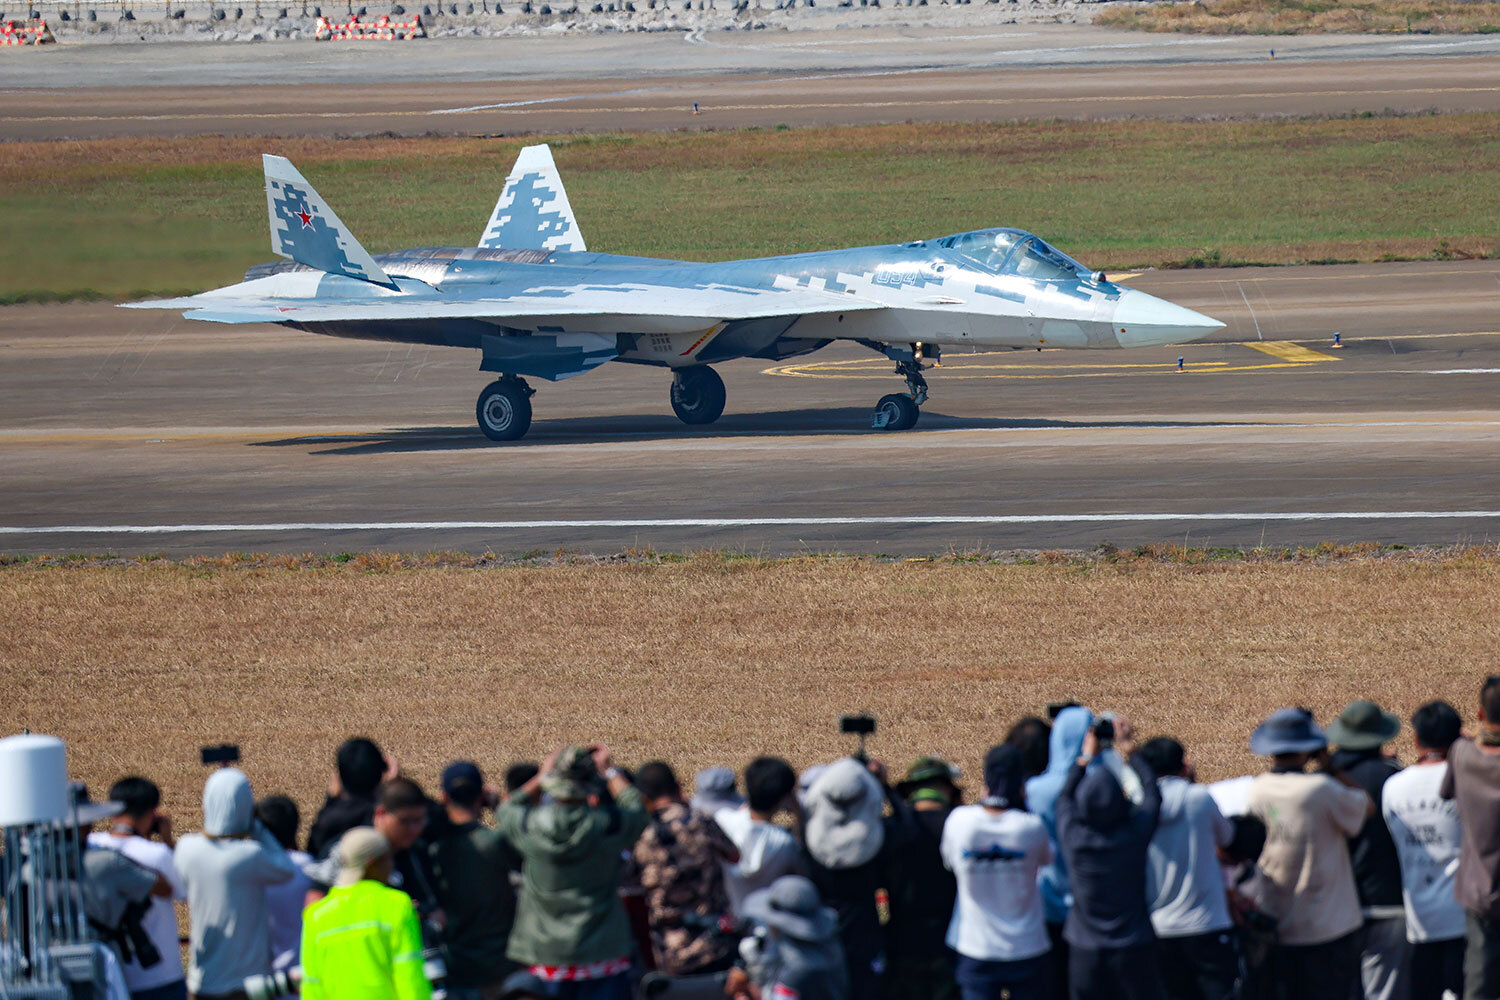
(1185, 883)
(1309, 879)
(767, 851)
(1426, 832)
(131, 834)
(995, 850)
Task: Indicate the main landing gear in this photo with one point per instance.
(504, 408)
(898, 411)
(697, 395)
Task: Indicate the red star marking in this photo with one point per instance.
(306, 218)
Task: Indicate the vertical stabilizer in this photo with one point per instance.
(533, 211)
(305, 229)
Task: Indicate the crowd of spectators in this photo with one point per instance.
(1083, 865)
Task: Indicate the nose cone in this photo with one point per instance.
(1143, 320)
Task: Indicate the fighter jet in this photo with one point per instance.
(535, 303)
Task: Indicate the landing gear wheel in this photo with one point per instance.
(504, 409)
(896, 412)
(697, 395)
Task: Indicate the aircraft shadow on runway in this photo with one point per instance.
(851, 421)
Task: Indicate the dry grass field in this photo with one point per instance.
(711, 659)
(1298, 17)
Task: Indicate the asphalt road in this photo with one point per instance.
(642, 82)
(114, 418)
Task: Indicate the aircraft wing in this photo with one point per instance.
(616, 308)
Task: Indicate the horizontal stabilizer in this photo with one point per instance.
(306, 230)
(533, 211)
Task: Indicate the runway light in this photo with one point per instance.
(1180, 369)
(1337, 342)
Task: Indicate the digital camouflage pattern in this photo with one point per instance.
(677, 863)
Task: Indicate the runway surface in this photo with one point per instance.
(140, 432)
(642, 82)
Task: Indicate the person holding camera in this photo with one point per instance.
(799, 955)
(143, 833)
(677, 862)
(1308, 883)
(360, 767)
(226, 870)
(1106, 814)
(1189, 908)
(471, 866)
(996, 850)
(767, 851)
(116, 893)
(571, 928)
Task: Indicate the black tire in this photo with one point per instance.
(697, 395)
(504, 411)
(901, 412)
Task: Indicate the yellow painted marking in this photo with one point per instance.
(1124, 277)
(1288, 351)
(1288, 355)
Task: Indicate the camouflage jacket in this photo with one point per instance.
(677, 864)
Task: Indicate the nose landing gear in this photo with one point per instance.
(898, 412)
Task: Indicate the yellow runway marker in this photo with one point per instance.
(1288, 351)
(1288, 355)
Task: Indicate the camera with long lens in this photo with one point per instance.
(134, 942)
(1104, 730)
(434, 965)
(281, 983)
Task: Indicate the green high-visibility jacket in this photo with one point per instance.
(363, 942)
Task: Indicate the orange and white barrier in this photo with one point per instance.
(25, 33)
(382, 29)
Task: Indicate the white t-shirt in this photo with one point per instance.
(995, 857)
(1426, 831)
(160, 921)
(1231, 794)
(285, 902)
(1309, 878)
(767, 852)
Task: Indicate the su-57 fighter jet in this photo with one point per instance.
(536, 304)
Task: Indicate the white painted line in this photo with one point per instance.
(745, 522)
(1466, 371)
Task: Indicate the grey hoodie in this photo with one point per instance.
(226, 871)
(1184, 884)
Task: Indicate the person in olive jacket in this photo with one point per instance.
(571, 928)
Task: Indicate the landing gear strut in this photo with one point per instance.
(504, 408)
(898, 412)
(697, 395)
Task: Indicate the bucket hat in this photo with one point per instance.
(927, 769)
(1363, 726)
(792, 906)
(1288, 730)
(88, 812)
(843, 827)
(713, 789)
(574, 776)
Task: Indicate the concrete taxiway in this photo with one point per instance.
(635, 82)
(142, 432)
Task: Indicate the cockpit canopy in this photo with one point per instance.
(1014, 251)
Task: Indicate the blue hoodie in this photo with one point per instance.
(1068, 731)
